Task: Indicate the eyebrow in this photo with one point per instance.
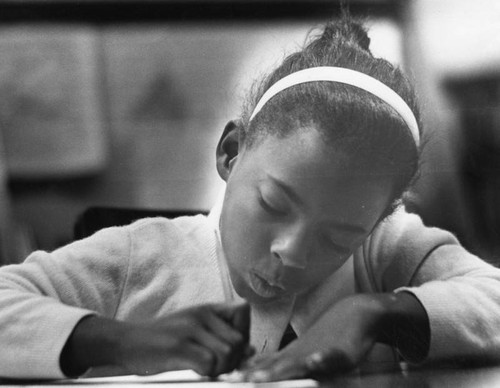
(351, 229)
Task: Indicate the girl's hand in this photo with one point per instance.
(337, 342)
(210, 339)
(343, 336)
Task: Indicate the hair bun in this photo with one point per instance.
(346, 31)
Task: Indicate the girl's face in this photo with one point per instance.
(293, 214)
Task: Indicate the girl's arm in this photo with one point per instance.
(59, 311)
(340, 339)
(210, 339)
(442, 289)
(43, 299)
(459, 291)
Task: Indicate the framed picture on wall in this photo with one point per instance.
(50, 104)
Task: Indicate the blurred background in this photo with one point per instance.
(121, 103)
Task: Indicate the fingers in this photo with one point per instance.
(238, 316)
(228, 344)
(253, 361)
(328, 363)
(318, 364)
(211, 339)
(190, 356)
(203, 360)
(207, 360)
(222, 326)
(241, 320)
(225, 355)
(261, 361)
(284, 369)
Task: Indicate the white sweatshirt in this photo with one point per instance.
(146, 270)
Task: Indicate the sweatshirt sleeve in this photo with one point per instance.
(461, 295)
(459, 291)
(42, 299)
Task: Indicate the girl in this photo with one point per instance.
(308, 232)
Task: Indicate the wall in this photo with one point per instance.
(157, 98)
(447, 40)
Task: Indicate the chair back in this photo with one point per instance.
(99, 217)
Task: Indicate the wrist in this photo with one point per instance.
(95, 341)
(404, 325)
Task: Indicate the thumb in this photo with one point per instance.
(328, 363)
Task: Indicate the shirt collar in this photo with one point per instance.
(268, 320)
(215, 212)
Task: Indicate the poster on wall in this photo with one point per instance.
(50, 106)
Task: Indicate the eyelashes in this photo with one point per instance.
(326, 239)
(338, 248)
(271, 209)
(275, 210)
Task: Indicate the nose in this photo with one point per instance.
(292, 247)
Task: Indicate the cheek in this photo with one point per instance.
(244, 238)
(322, 269)
(316, 272)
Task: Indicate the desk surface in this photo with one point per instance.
(439, 377)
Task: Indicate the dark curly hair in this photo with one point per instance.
(356, 123)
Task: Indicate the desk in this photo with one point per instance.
(484, 377)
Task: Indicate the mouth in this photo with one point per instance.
(264, 288)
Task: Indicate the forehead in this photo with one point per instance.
(301, 156)
(316, 171)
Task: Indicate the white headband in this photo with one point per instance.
(349, 77)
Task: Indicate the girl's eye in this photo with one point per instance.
(337, 247)
(271, 209)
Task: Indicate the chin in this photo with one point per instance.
(255, 298)
(251, 297)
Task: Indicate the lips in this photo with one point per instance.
(263, 288)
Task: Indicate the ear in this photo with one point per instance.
(227, 149)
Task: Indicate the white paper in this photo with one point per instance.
(184, 378)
